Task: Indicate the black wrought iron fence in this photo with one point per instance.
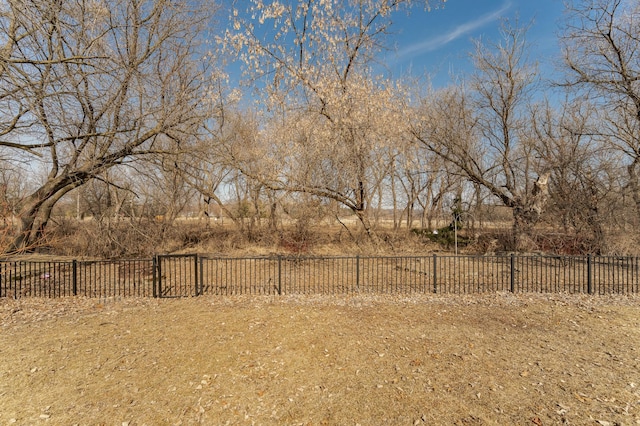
(102, 278)
(192, 275)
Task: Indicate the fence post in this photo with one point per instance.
(435, 273)
(201, 276)
(196, 283)
(513, 273)
(75, 277)
(279, 275)
(154, 268)
(589, 278)
(358, 272)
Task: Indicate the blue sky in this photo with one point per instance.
(438, 42)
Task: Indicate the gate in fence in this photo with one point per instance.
(177, 275)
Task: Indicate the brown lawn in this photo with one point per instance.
(368, 360)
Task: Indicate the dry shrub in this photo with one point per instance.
(145, 237)
(300, 240)
(570, 244)
(294, 243)
(562, 243)
(228, 242)
(494, 241)
(621, 243)
(6, 236)
(111, 239)
(130, 238)
(615, 243)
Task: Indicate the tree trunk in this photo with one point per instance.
(363, 217)
(35, 212)
(523, 223)
(634, 183)
(527, 214)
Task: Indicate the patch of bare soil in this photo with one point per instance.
(370, 360)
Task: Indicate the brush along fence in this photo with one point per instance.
(193, 275)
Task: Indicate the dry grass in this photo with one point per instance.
(368, 360)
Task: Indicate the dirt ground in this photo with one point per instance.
(332, 360)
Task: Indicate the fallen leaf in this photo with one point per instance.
(580, 397)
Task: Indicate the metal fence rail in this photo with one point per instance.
(101, 278)
(193, 275)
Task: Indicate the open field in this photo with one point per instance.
(368, 360)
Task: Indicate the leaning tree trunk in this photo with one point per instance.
(363, 217)
(526, 214)
(35, 212)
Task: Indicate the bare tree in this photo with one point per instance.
(328, 114)
(221, 167)
(103, 197)
(485, 131)
(162, 185)
(423, 181)
(587, 198)
(602, 55)
(86, 86)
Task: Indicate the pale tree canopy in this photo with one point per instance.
(330, 113)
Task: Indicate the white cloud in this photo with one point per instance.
(434, 43)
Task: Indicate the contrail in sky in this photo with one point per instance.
(439, 41)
